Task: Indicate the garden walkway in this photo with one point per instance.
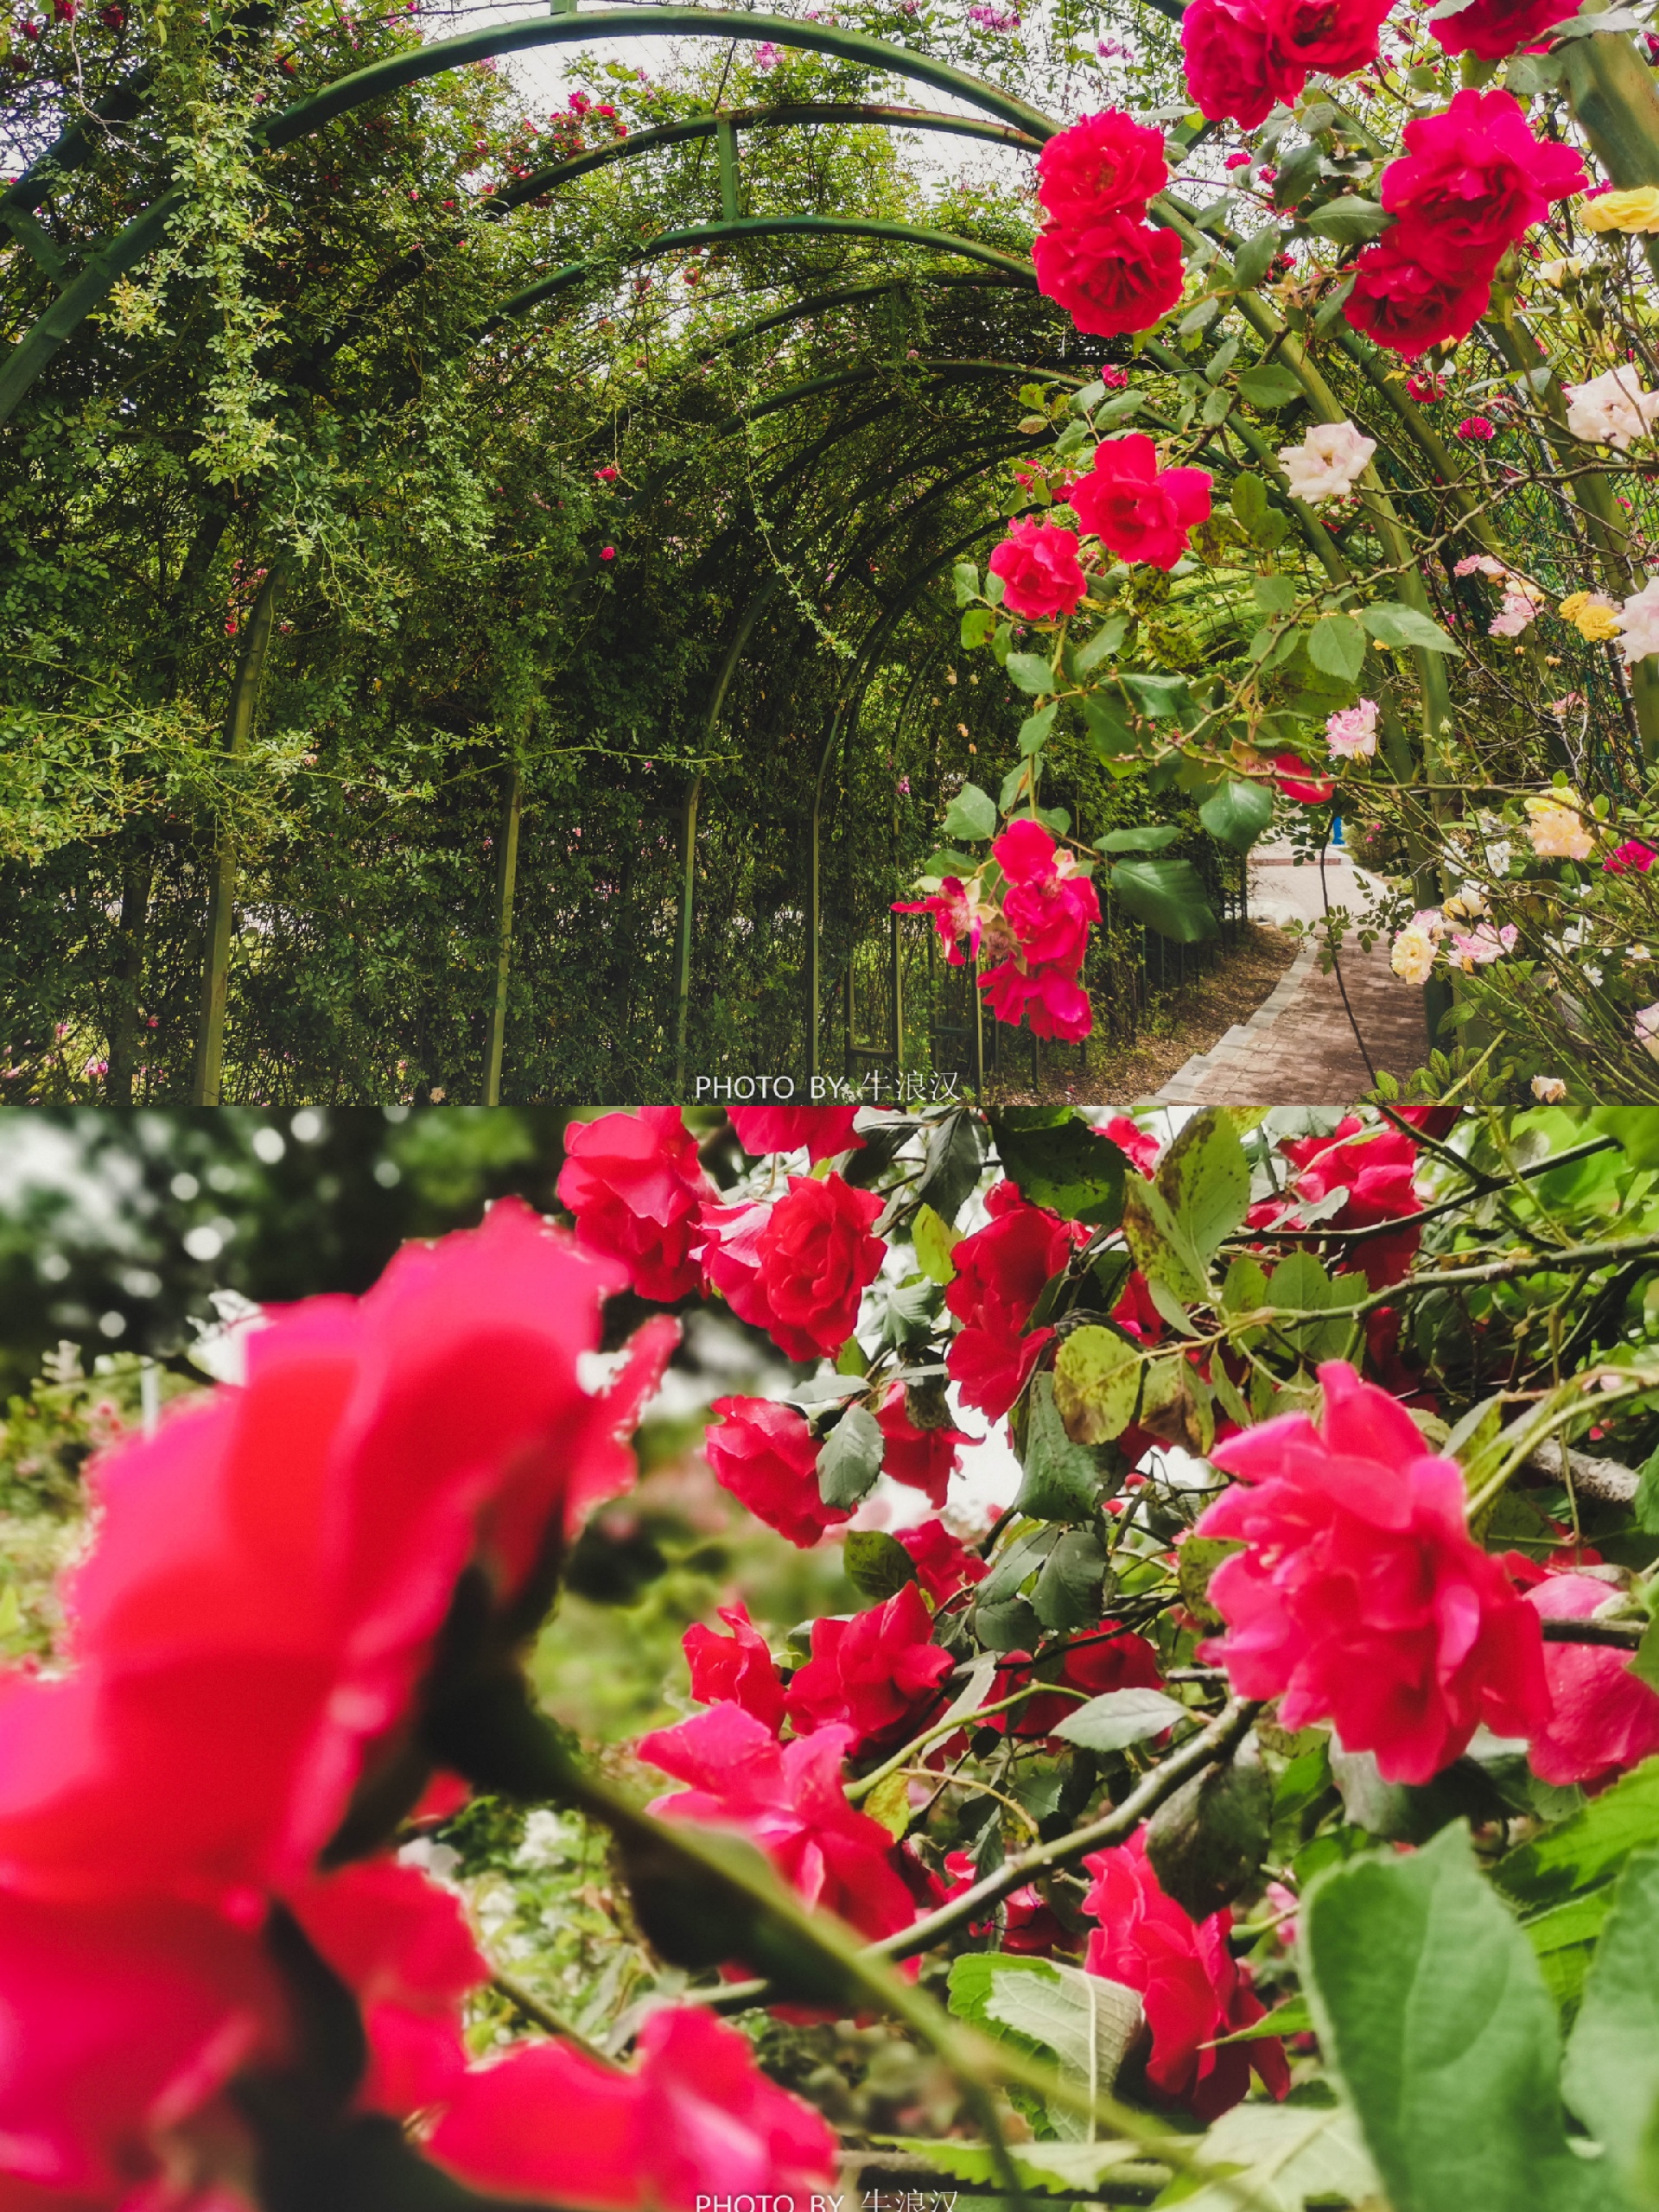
(1298, 1048)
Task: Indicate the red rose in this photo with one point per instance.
(788, 1799)
(1138, 510)
(1041, 575)
(1377, 1169)
(944, 1565)
(1606, 1718)
(1402, 305)
(1105, 164)
(1633, 857)
(1139, 1147)
(955, 918)
(1110, 277)
(275, 1564)
(1334, 36)
(1052, 998)
(737, 1668)
(872, 1674)
(1472, 180)
(1229, 69)
(1046, 902)
(923, 1458)
(1001, 1271)
(633, 1184)
(1492, 29)
(696, 2115)
(1124, 1661)
(1362, 1599)
(1298, 781)
(796, 1268)
(825, 1131)
(1191, 1988)
(766, 1456)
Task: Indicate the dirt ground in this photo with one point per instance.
(1186, 1021)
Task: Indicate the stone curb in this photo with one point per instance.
(1242, 1040)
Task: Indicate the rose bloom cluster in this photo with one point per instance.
(193, 1818)
(1026, 914)
(1139, 511)
(1096, 255)
(1470, 183)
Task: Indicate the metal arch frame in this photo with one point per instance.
(58, 323)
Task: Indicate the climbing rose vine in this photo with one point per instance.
(1226, 1549)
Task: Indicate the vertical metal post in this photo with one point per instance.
(896, 1005)
(688, 898)
(506, 871)
(216, 956)
(726, 146)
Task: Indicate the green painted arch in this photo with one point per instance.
(83, 295)
(762, 226)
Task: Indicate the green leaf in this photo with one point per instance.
(1274, 594)
(1206, 1179)
(1237, 813)
(1068, 1592)
(1250, 503)
(1391, 622)
(889, 1803)
(1060, 2169)
(1269, 387)
(1085, 2020)
(1611, 2075)
(850, 1457)
(1061, 1480)
(1119, 1719)
(1195, 1562)
(1029, 671)
(1162, 698)
(1431, 2008)
(971, 815)
(1167, 894)
(1108, 726)
(1349, 219)
(1646, 1506)
(1588, 1848)
(977, 625)
(951, 1165)
(876, 1564)
(1060, 1162)
(1336, 645)
(934, 1241)
(1251, 261)
(1281, 2157)
(1163, 1251)
(1152, 839)
(1096, 1383)
(1034, 730)
(1104, 643)
(1635, 1128)
(1290, 2018)
(967, 581)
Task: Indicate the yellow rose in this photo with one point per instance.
(1623, 211)
(1557, 829)
(1592, 616)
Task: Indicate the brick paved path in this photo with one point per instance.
(1298, 1049)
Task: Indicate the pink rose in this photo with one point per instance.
(1191, 1988)
(1493, 28)
(1604, 1717)
(1362, 1599)
(1472, 180)
(825, 1131)
(1001, 1271)
(1041, 575)
(1402, 305)
(1229, 69)
(1138, 510)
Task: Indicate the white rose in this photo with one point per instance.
(1413, 956)
(1611, 409)
(1638, 623)
(1328, 463)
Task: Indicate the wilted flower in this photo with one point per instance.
(1328, 463)
(1514, 616)
(1548, 1089)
